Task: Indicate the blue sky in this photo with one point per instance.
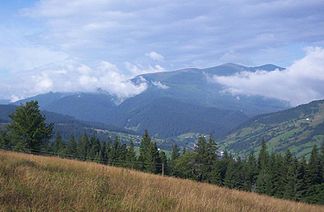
(44, 42)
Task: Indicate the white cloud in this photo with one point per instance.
(188, 32)
(71, 76)
(300, 83)
(155, 56)
(137, 69)
(160, 85)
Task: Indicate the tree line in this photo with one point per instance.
(278, 175)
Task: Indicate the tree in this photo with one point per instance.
(131, 155)
(250, 170)
(156, 160)
(28, 129)
(290, 179)
(278, 171)
(206, 157)
(302, 182)
(115, 152)
(103, 153)
(322, 160)
(314, 166)
(233, 176)
(83, 147)
(94, 149)
(263, 158)
(183, 166)
(4, 141)
(71, 147)
(146, 156)
(263, 183)
(58, 146)
(164, 161)
(175, 154)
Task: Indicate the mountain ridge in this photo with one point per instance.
(296, 129)
(186, 89)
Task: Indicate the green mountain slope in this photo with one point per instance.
(296, 129)
(68, 126)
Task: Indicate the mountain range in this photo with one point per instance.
(178, 106)
(174, 103)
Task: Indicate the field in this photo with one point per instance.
(38, 183)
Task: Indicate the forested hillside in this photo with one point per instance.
(282, 176)
(296, 129)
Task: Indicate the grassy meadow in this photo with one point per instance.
(38, 183)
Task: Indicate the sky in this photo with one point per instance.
(80, 45)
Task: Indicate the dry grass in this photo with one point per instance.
(39, 183)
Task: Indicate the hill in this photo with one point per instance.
(296, 129)
(41, 183)
(68, 125)
(169, 97)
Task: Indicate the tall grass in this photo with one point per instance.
(29, 182)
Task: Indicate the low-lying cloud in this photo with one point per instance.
(72, 76)
(301, 82)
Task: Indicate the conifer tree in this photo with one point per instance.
(322, 160)
(314, 167)
(71, 147)
(103, 153)
(302, 180)
(250, 170)
(83, 147)
(263, 158)
(175, 152)
(290, 179)
(165, 162)
(59, 146)
(131, 155)
(263, 183)
(146, 156)
(28, 129)
(94, 149)
(115, 151)
(156, 162)
(4, 141)
(206, 157)
(278, 173)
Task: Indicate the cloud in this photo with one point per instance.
(160, 85)
(138, 69)
(189, 33)
(155, 56)
(301, 82)
(71, 76)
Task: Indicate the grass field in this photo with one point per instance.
(39, 183)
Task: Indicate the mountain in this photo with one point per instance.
(166, 117)
(174, 103)
(195, 86)
(296, 129)
(68, 125)
(4, 101)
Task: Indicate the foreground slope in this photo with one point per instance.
(30, 182)
(296, 129)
